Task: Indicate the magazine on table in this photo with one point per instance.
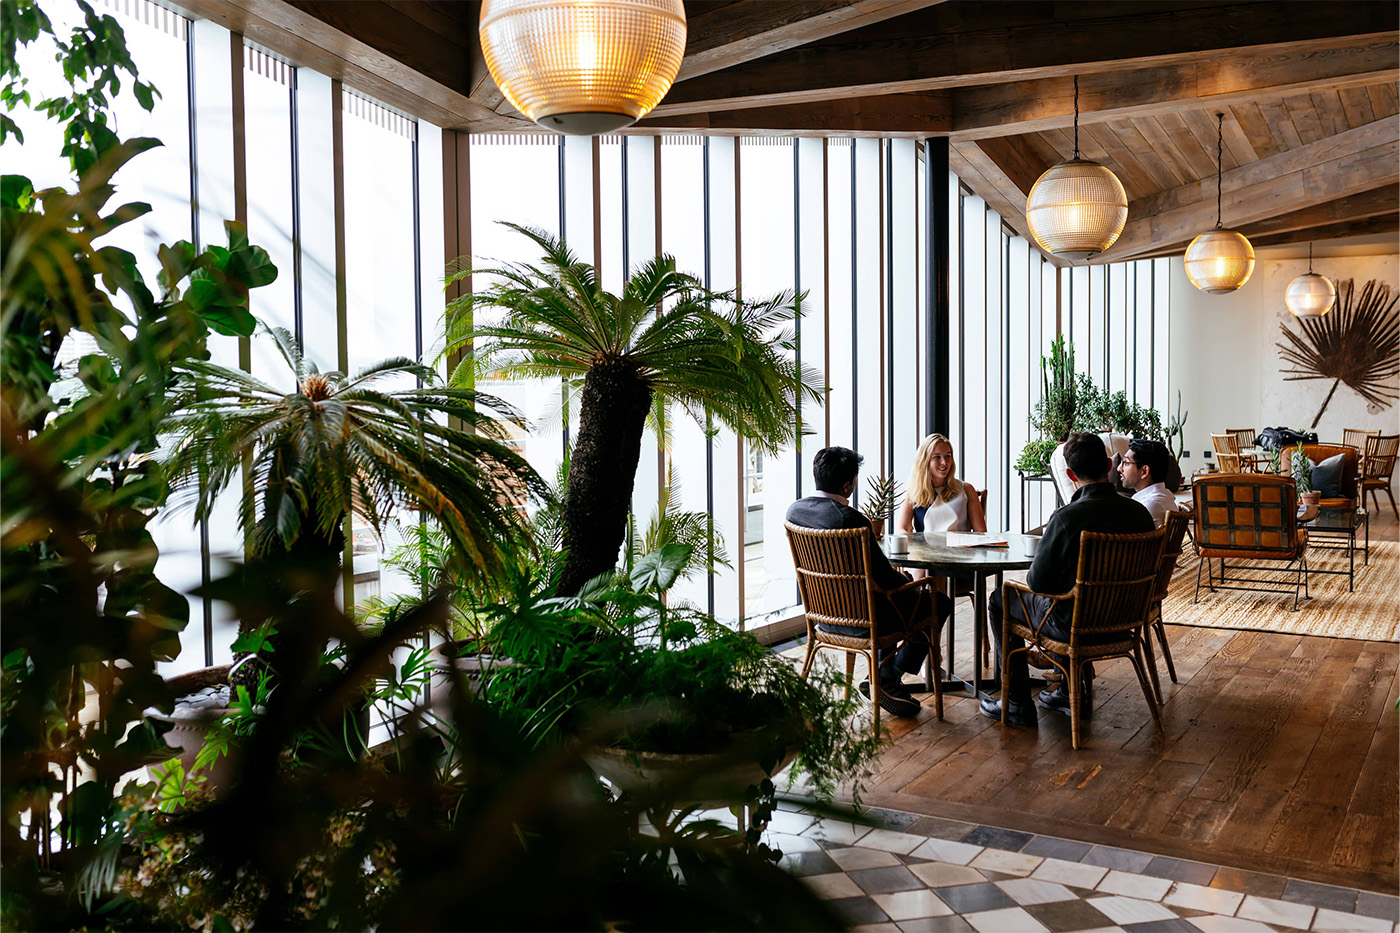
(977, 539)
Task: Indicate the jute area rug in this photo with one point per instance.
(1371, 612)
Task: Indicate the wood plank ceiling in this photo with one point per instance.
(1308, 91)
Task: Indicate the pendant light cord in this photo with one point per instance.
(1076, 116)
(1219, 150)
(1310, 272)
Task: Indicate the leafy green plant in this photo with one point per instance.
(1035, 457)
(1302, 471)
(665, 336)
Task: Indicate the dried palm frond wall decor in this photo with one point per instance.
(1357, 344)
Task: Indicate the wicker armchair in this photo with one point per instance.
(1249, 518)
(1113, 585)
(1349, 485)
(1377, 467)
(1176, 525)
(837, 588)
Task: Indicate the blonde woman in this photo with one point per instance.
(936, 500)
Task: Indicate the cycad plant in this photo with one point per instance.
(337, 445)
(664, 338)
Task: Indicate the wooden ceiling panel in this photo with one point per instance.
(1309, 91)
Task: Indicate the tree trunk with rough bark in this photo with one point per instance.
(602, 470)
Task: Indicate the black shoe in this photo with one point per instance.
(1058, 700)
(1021, 714)
(895, 699)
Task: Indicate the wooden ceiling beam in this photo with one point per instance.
(439, 95)
(1350, 163)
(1034, 106)
(734, 33)
(926, 113)
(993, 183)
(1371, 226)
(1354, 209)
(1057, 47)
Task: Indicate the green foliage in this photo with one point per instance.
(1176, 428)
(1035, 457)
(1302, 471)
(94, 58)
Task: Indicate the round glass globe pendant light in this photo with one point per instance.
(1219, 260)
(1310, 294)
(1076, 209)
(583, 67)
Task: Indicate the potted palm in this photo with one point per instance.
(881, 495)
(336, 445)
(665, 338)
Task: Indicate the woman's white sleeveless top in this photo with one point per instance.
(946, 516)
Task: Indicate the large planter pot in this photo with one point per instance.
(190, 723)
(715, 777)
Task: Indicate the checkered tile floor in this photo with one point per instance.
(922, 874)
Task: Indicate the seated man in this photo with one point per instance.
(1143, 468)
(835, 470)
(1093, 507)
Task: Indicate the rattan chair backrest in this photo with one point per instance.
(833, 574)
(1253, 512)
(1227, 452)
(1176, 538)
(1115, 581)
(1356, 437)
(1244, 437)
(1381, 451)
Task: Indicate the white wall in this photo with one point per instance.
(1225, 361)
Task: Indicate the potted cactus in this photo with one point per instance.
(881, 495)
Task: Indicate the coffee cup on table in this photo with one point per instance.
(897, 544)
(1029, 543)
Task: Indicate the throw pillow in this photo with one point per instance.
(1327, 477)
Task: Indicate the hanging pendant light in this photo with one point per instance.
(1219, 260)
(1310, 294)
(1077, 208)
(583, 67)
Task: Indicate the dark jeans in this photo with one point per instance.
(909, 657)
(1017, 666)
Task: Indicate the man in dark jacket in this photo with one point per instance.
(1095, 506)
(835, 470)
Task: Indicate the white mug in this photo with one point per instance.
(897, 544)
(1029, 543)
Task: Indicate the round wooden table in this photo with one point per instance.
(931, 552)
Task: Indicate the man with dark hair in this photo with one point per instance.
(835, 470)
(1144, 470)
(1094, 507)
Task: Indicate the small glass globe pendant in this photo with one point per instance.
(583, 67)
(1219, 260)
(1310, 294)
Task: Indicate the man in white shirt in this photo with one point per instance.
(1143, 463)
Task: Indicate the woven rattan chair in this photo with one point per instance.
(1356, 437)
(837, 588)
(1377, 467)
(1176, 525)
(1227, 453)
(1249, 518)
(1112, 588)
(1245, 437)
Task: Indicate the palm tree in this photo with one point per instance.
(336, 446)
(665, 338)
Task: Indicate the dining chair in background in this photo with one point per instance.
(1377, 467)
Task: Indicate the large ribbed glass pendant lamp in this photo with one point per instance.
(1310, 294)
(583, 67)
(1219, 260)
(1077, 208)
